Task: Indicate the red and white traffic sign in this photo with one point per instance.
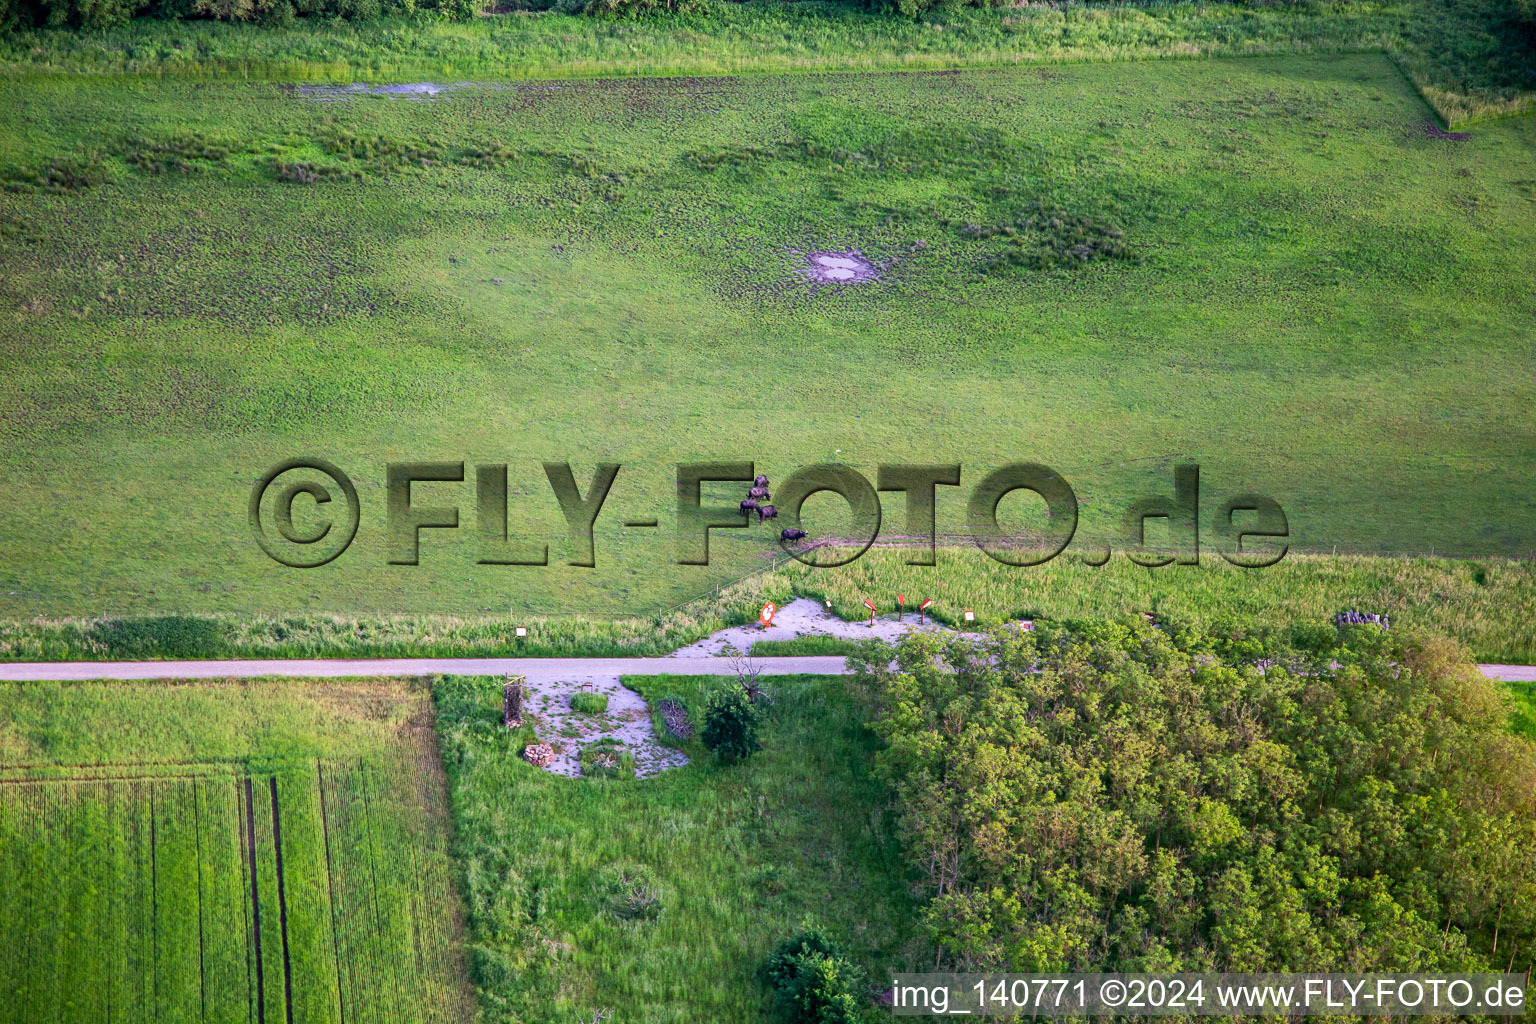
(766, 615)
(869, 604)
(927, 603)
(901, 598)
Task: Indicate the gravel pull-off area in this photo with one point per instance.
(803, 617)
(627, 720)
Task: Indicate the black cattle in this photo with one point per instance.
(759, 493)
(766, 512)
(761, 481)
(789, 535)
(748, 507)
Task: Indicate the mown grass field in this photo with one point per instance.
(255, 850)
(738, 858)
(1325, 303)
(1485, 605)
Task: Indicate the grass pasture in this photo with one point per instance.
(252, 851)
(1318, 299)
(730, 861)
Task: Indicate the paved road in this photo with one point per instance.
(536, 669)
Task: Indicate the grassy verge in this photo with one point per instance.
(1524, 696)
(1468, 58)
(662, 897)
(1487, 605)
(802, 645)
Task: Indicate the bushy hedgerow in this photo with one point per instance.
(100, 14)
(167, 636)
(1117, 796)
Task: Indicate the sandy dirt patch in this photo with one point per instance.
(628, 720)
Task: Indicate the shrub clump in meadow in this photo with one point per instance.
(631, 894)
(487, 158)
(589, 703)
(607, 758)
(1048, 238)
(301, 172)
(61, 176)
(814, 981)
(180, 154)
(731, 724)
(379, 153)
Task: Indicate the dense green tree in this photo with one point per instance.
(815, 982)
(1098, 795)
(731, 724)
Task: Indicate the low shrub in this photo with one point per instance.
(1048, 238)
(589, 703)
(815, 982)
(731, 724)
(301, 173)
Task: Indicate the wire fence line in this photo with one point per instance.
(720, 588)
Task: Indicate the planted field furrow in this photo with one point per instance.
(226, 987)
(89, 900)
(282, 899)
(376, 998)
(178, 968)
(327, 774)
(269, 937)
(305, 898)
(391, 897)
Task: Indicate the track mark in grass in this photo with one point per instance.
(202, 966)
(282, 900)
(330, 885)
(154, 906)
(250, 852)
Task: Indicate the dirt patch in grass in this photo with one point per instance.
(834, 266)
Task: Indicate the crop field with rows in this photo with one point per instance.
(241, 851)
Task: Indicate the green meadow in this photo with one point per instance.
(1273, 267)
(729, 860)
(217, 851)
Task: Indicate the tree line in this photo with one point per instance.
(1101, 795)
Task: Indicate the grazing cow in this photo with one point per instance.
(761, 481)
(748, 507)
(766, 512)
(759, 493)
(789, 535)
